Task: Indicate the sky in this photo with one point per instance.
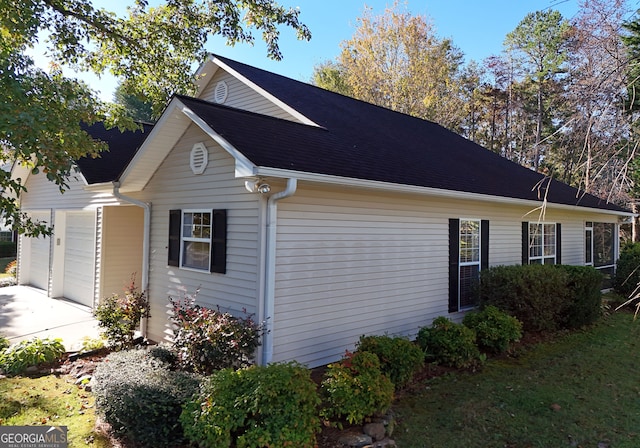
(476, 27)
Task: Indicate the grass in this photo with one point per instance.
(581, 390)
(50, 400)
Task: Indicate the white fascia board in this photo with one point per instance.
(167, 146)
(244, 167)
(427, 191)
(204, 74)
(265, 94)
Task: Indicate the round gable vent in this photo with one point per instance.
(220, 93)
(199, 158)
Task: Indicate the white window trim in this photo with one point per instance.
(203, 240)
(468, 263)
(543, 257)
(588, 228)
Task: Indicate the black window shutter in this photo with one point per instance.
(525, 243)
(454, 257)
(484, 244)
(175, 222)
(219, 242)
(558, 244)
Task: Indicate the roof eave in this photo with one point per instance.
(428, 191)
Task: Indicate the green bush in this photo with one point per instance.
(627, 275)
(355, 388)
(139, 395)
(120, 316)
(208, 340)
(495, 329)
(18, 357)
(450, 344)
(399, 358)
(585, 304)
(260, 406)
(8, 249)
(4, 343)
(535, 294)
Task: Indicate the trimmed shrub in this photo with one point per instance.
(627, 275)
(18, 357)
(585, 306)
(259, 406)
(399, 358)
(355, 388)
(120, 316)
(535, 294)
(207, 340)
(495, 329)
(450, 344)
(139, 395)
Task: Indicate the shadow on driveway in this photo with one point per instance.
(27, 312)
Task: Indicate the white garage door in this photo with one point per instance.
(38, 270)
(79, 265)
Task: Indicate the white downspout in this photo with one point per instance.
(146, 238)
(270, 266)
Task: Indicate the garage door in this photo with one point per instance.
(38, 270)
(79, 265)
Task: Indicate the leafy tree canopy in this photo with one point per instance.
(152, 49)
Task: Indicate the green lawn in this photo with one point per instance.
(583, 390)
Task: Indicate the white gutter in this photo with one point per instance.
(429, 191)
(145, 244)
(270, 266)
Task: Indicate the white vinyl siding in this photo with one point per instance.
(353, 263)
(243, 97)
(174, 186)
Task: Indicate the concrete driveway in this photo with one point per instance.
(27, 312)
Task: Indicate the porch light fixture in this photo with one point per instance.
(257, 186)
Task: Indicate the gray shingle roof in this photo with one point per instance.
(363, 141)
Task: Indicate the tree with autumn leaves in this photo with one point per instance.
(151, 49)
(553, 100)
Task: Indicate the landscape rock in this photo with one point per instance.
(376, 430)
(385, 443)
(355, 440)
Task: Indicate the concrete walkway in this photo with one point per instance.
(27, 312)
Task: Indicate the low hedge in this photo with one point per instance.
(400, 359)
(543, 297)
(8, 249)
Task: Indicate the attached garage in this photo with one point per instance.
(79, 257)
(36, 253)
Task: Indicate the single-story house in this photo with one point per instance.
(326, 217)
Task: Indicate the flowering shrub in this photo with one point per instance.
(120, 316)
(208, 340)
(355, 388)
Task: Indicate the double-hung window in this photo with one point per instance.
(541, 243)
(468, 254)
(197, 239)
